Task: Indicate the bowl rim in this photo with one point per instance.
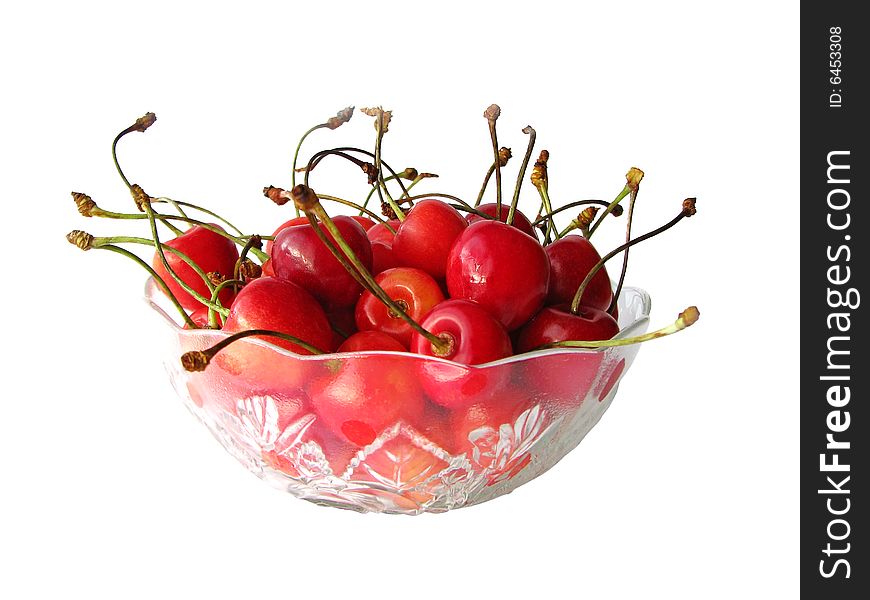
(153, 296)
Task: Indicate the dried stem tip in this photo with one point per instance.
(215, 277)
(688, 317)
(195, 360)
(504, 155)
(277, 195)
(539, 171)
(139, 196)
(340, 118)
(633, 177)
(410, 173)
(249, 270)
(689, 207)
(382, 118)
(82, 239)
(616, 211)
(304, 198)
(84, 203)
(371, 172)
(145, 121)
(586, 216)
(492, 113)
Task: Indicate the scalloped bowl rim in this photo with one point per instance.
(641, 322)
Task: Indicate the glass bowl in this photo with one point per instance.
(397, 432)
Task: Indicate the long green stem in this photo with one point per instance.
(483, 187)
(157, 278)
(201, 209)
(575, 204)
(198, 360)
(522, 174)
(625, 192)
(575, 304)
(686, 318)
(628, 218)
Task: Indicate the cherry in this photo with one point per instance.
(268, 271)
(520, 221)
(414, 290)
(491, 414)
(211, 251)
(382, 246)
(425, 237)
(474, 337)
(571, 258)
(558, 323)
(379, 232)
(199, 316)
(358, 398)
(291, 223)
(563, 379)
(371, 340)
(365, 222)
(298, 255)
(501, 268)
(283, 306)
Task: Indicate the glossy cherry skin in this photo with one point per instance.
(501, 268)
(299, 256)
(425, 237)
(558, 324)
(571, 259)
(362, 341)
(379, 232)
(269, 303)
(412, 288)
(210, 251)
(365, 222)
(382, 257)
(476, 338)
(360, 396)
(279, 305)
(303, 220)
(520, 221)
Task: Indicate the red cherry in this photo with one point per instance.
(361, 396)
(491, 414)
(571, 259)
(562, 379)
(199, 316)
(291, 223)
(380, 233)
(425, 237)
(558, 324)
(268, 271)
(382, 257)
(502, 269)
(279, 305)
(475, 338)
(413, 289)
(299, 256)
(365, 222)
(210, 251)
(371, 340)
(520, 221)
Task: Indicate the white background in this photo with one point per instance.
(688, 486)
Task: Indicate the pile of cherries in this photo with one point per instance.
(432, 274)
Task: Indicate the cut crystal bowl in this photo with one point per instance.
(397, 432)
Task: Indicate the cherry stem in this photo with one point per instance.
(492, 113)
(241, 240)
(631, 200)
(179, 204)
(463, 205)
(159, 248)
(362, 209)
(394, 175)
(521, 175)
(100, 242)
(308, 202)
(483, 187)
(687, 211)
(556, 211)
(198, 360)
(545, 201)
(625, 192)
(686, 318)
(214, 314)
(157, 278)
(253, 242)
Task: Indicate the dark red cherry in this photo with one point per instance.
(413, 289)
(501, 268)
(571, 259)
(299, 256)
(520, 221)
(382, 257)
(379, 232)
(371, 340)
(425, 237)
(303, 220)
(211, 251)
(558, 324)
(365, 222)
